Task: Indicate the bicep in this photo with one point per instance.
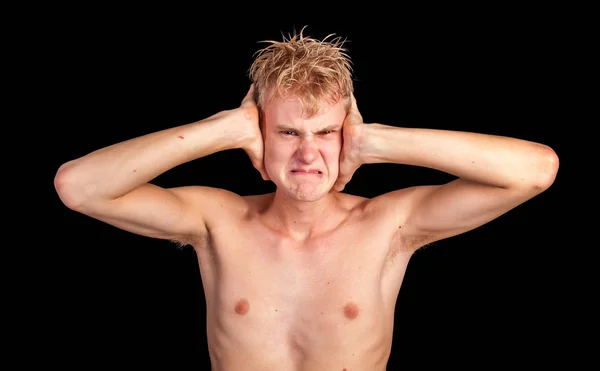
(152, 211)
(443, 211)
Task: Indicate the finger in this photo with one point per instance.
(345, 171)
(250, 90)
(259, 166)
(345, 175)
(339, 186)
(249, 95)
(353, 100)
(263, 174)
(341, 182)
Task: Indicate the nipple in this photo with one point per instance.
(351, 311)
(242, 307)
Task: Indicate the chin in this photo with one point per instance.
(305, 194)
(308, 197)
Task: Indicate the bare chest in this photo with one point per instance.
(344, 274)
(329, 298)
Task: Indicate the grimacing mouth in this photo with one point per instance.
(309, 171)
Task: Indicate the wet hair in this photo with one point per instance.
(303, 68)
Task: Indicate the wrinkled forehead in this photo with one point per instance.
(290, 111)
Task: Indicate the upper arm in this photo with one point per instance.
(430, 213)
(179, 214)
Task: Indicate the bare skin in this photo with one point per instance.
(324, 303)
(305, 278)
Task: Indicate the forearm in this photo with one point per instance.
(489, 159)
(115, 170)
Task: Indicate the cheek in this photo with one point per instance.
(335, 146)
(275, 153)
(331, 152)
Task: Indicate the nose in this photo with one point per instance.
(308, 151)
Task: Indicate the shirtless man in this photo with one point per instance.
(305, 278)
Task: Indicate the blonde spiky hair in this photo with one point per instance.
(304, 68)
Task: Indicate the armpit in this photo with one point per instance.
(408, 244)
(184, 241)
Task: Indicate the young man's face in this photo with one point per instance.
(302, 155)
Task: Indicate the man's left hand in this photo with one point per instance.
(350, 159)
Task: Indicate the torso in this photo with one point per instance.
(323, 304)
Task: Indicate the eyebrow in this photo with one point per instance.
(289, 128)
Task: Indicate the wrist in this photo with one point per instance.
(370, 143)
(236, 127)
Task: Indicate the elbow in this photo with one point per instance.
(65, 185)
(546, 169)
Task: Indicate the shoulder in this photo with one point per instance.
(395, 203)
(212, 204)
(211, 196)
(390, 211)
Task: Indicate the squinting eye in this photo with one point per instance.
(288, 132)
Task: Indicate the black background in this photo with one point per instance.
(107, 297)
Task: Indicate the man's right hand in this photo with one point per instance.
(254, 146)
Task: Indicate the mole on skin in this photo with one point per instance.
(242, 307)
(351, 310)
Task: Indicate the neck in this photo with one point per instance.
(300, 220)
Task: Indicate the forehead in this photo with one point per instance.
(290, 112)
